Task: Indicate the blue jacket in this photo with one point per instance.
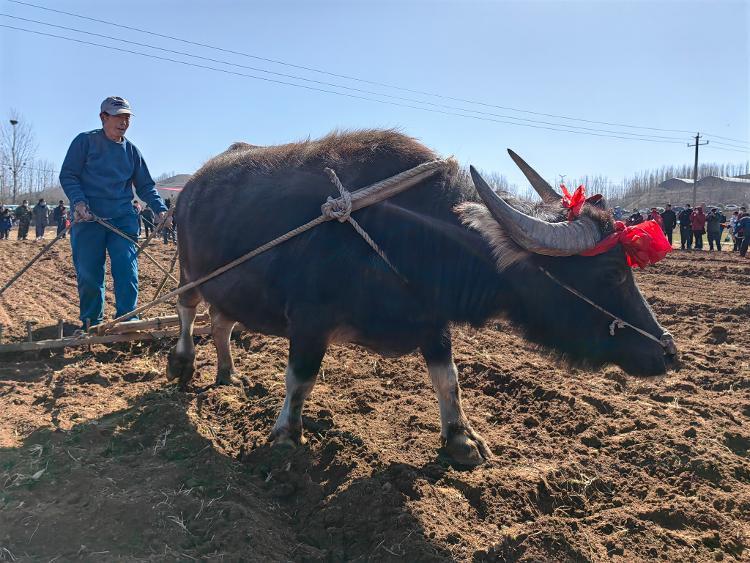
(743, 225)
(102, 173)
(6, 221)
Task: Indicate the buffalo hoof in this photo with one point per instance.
(226, 377)
(179, 368)
(467, 447)
(287, 437)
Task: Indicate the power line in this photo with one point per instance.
(731, 145)
(347, 77)
(728, 139)
(741, 151)
(410, 100)
(345, 94)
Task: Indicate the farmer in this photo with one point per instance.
(668, 220)
(60, 217)
(732, 224)
(98, 176)
(654, 215)
(698, 225)
(41, 218)
(6, 222)
(714, 223)
(170, 233)
(147, 217)
(686, 231)
(23, 216)
(742, 232)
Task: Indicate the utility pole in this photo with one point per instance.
(695, 169)
(14, 122)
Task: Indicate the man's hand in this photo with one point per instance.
(82, 213)
(160, 217)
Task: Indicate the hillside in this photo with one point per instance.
(166, 188)
(171, 187)
(712, 190)
(50, 195)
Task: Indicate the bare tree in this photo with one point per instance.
(164, 176)
(5, 181)
(44, 175)
(17, 147)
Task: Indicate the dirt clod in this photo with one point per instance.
(717, 334)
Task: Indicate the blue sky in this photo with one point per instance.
(667, 65)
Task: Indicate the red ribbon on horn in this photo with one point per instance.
(643, 244)
(573, 203)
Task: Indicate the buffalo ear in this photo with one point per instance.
(597, 200)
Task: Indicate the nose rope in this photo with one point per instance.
(616, 323)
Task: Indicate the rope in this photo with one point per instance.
(616, 323)
(364, 195)
(291, 234)
(359, 199)
(341, 209)
(156, 229)
(117, 231)
(165, 278)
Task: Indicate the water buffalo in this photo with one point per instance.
(460, 262)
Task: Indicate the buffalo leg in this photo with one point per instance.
(180, 362)
(221, 331)
(460, 440)
(305, 357)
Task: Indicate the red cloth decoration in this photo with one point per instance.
(644, 243)
(573, 203)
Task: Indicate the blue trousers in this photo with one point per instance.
(90, 243)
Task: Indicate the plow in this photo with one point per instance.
(156, 328)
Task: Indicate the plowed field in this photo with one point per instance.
(101, 459)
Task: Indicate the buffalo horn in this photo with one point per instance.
(545, 191)
(537, 236)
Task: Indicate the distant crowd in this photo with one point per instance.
(695, 223)
(60, 217)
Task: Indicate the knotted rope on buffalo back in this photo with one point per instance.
(340, 209)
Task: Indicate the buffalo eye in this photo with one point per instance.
(615, 277)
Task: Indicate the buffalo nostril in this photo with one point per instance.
(671, 358)
(672, 361)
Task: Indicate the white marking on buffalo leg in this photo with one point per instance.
(445, 382)
(221, 331)
(182, 356)
(462, 442)
(186, 315)
(288, 426)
